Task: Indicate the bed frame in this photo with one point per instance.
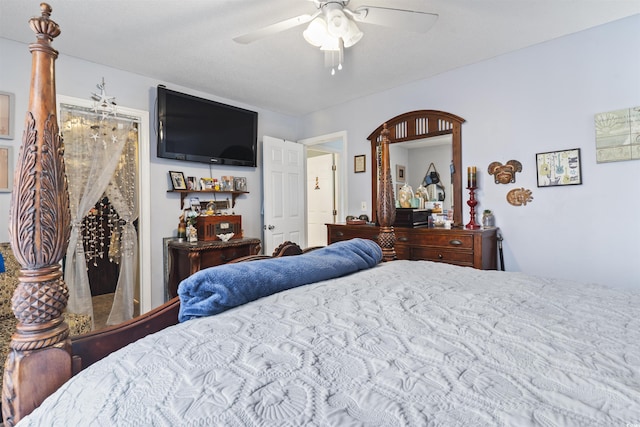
(43, 356)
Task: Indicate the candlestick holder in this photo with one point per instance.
(472, 202)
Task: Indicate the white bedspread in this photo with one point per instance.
(404, 343)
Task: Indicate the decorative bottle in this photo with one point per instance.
(488, 220)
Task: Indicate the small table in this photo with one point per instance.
(187, 258)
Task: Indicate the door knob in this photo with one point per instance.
(271, 227)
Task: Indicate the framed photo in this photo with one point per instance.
(192, 183)
(177, 180)
(557, 168)
(360, 163)
(240, 183)
(6, 115)
(401, 173)
(6, 164)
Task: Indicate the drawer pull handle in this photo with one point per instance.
(403, 239)
(339, 234)
(455, 242)
(440, 256)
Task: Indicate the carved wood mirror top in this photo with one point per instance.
(416, 125)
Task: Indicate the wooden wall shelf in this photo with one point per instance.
(183, 194)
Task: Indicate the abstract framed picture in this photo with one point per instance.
(6, 115)
(559, 168)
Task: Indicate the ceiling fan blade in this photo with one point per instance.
(410, 20)
(274, 28)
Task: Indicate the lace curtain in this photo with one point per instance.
(94, 144)
(122, 192)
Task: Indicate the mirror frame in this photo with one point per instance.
(415, 125)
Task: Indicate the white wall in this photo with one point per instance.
(538, 99)
(78, 79)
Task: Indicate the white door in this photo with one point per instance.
(283, 179)
(321, 196)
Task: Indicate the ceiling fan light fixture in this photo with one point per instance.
(337, 22)
(353, 36)
(330, 43)
(316, 33)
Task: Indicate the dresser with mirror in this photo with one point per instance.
(418, 139)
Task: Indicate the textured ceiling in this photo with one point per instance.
(189, 42)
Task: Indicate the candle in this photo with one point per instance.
(471, 177)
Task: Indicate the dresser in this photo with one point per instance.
(460, 246)
(186, 258)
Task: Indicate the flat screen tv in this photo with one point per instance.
(199, 130)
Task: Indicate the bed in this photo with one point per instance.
(388, 343)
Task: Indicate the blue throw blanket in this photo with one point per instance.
(217, 289)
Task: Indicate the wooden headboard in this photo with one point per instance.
(42, 355)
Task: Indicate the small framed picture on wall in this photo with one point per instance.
(359, 163)
(401, 172)
(559, 168)
(6, 166)
(6, 115)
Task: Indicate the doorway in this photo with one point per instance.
(140, 154)
(325, 188)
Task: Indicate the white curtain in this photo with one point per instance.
(93, 145)
(123, 195)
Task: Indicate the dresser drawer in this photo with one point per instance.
(441, 255)
(339, 233)
(448, 240)
(223, 255)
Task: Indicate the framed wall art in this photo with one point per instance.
(359, 163)
(401, 173)
(618, 135)
(177, 180)
(6, 164)
(6, 115)
(558, 168)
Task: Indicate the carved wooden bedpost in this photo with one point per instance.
(39, 230)
(386, 204)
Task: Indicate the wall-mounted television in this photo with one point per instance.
(200, 130)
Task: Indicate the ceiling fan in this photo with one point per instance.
(333, 26)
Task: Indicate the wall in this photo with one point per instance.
(538, 99)
(78, 79)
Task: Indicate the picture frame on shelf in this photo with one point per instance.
(226, 183)
(240, 183)
(192, 183)
(559, 168)
(177, 180)
(7, 106)
(360, 163)
(6, 165)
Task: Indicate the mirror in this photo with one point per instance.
(426, 165)
(438, 135)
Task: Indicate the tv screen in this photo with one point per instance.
(199, 130)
